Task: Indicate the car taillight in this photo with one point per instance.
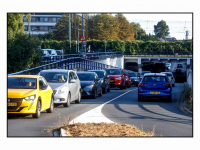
(141, 84)
(167, 84)
(172, 78)
(180, 70)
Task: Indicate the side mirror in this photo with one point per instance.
(43, 87)
(72, 81)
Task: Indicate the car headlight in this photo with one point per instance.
(101, 81)
(32, 97)
(119, 78)
(88, 88)
(60, 91)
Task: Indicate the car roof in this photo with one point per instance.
(167, 72)
(56, 70)
(85, 72)
(113, 68)
(96, 70)
(23, 76)
(154, 74)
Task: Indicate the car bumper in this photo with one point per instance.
(87, 93)
(60, 98)
(147, 93)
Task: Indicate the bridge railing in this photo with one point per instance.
(158, 53)
(69, 64)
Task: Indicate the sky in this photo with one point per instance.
(178, 23)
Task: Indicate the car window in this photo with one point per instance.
(55, 77)
(86, 76)
(22, 83)
(44, 81)
(41, 82)
(113, 71)
(132, 74)
(154, 79)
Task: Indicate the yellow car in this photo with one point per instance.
(29, 94)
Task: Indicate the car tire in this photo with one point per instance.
(121, 87)
(173, 85)
(100, 94)
(50, 110)
(38, 110)
(95, 94)
(68, 101)
(170, 99)
(139, 99)
(79, 98)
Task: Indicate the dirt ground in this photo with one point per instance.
(104, 130)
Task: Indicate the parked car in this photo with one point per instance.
(90, 84)
(59, 52)
(105, 80)
(45, 53)
(135, 78)
(170, 78)
(155, 85)
(52, 52)
(117, 78)
(142, 74)
(65, 84)
(29, 94)
(128, 79)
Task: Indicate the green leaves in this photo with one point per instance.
(161, 30)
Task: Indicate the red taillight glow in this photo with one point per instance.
(141, 84)
(172, 78)
(167, 84)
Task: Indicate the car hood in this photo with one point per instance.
(21, 93)
(56, 85)
(114, 76)
(86, 83)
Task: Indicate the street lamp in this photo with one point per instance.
(105, 44)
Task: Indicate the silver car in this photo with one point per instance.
(170, 78)
(65, 85)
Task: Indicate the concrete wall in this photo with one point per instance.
(117, 61)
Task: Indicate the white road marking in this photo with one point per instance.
(95, 115)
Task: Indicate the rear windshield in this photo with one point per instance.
(99, 73)
(113, 72)
(55, 77)
(154, 79)
(22, 83)
(85, 76)
(132, 74)
(179, 66)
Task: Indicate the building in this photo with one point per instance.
(42, 23)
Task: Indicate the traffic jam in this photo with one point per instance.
(32, 94)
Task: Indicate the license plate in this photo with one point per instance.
(12, 104)
(154, 92)
(81, 90)
(112, 81)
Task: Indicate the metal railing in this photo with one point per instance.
(158, 54)
(69, 64)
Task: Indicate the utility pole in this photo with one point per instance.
(70, 32)
(82, 31)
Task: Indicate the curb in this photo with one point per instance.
(60, 133)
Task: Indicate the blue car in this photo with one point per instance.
(156, 86)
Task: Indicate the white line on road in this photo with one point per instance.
(95, 115)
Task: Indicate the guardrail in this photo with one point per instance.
(158, 54)
(69, 63)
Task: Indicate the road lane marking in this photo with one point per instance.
(95, 115)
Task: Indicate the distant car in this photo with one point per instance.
(59, 52)
(142, 74)
(90, 84)
(170, 78)
(105, 80)
(179, 66)
(45, 53)
(52, 52)
(65, 84)
(29, 94)
(117, 77)
(135, 79)
(128, 79)
(155, 85)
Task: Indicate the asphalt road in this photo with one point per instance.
(169, 120)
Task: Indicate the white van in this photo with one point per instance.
(52, 52)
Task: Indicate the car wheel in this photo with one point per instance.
(68, 101)
(95, 94)
(100, 94)
(79, 98)
(38, 109)
(173, 85)
(121, 87)
(139, 99)
(104, 90)
(170, 98)
(50, 110)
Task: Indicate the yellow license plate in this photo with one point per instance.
(112, 81)
(154, 92)
(12, 104)
(81, 90)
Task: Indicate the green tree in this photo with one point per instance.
(138, 31)
(161, 30)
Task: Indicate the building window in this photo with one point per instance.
(46, 28)
(50, 29)
(33, 19)
(25, 20)
(41, 19)
(32, 28)
(45, 19)
(37, 19)
(25, 28)
(54, 19)
(41, 28)
(50, 19)
(37, 28)
(58, 19)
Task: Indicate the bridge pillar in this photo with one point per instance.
(139, 65)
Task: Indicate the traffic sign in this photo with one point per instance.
(84, 43)
(176, 54)
(82, 39)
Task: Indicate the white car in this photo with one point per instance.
(170, 78)
(65, 85)
(52, 52)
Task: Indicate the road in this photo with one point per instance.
(166, 117)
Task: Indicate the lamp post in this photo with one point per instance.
(105, 44)
(70, 32)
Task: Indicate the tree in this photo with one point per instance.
(139, 32)
(161, 30)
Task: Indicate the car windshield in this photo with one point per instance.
(132, 74)
(99, 73)
(49, 51)
(86, 76)
(145, 72)
(154, 79)
(55, 77)
(22, 83)
(113, 72)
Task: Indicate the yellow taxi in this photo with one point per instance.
(29, 94)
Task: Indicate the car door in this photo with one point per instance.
(71, 86)
(48, 93)
(75, 86)
(43, 94)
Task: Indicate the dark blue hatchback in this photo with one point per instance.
(156, 86)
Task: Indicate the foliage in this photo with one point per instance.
(161, 30)
(23, 52)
